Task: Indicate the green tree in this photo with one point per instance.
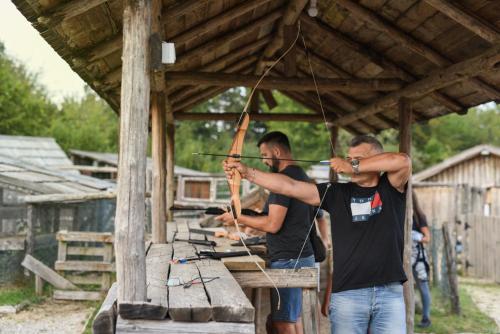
(25, 108)
(87, 124)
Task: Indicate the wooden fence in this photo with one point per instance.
(483, 247)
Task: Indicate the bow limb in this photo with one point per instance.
(236, 149)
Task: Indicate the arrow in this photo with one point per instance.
(239, 156)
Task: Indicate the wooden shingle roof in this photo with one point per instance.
(443, 55)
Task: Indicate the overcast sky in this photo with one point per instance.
(24, 43)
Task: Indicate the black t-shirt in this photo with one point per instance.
(418, 222)
(367, 233)
(287, 242)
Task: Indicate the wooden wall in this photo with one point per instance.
(480, 171)
(484, 247)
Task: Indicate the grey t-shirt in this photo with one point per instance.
(287, 242)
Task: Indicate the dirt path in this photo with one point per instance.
(486, 297)
(48, 317)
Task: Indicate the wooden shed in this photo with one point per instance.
(376, 65)
(464, 191)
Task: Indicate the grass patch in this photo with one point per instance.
(96, 305)
(472, 319)
(19, 293)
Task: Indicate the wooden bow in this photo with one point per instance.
(236, 149)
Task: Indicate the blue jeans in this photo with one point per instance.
(291, 298)
(381, 309)
(425, 294)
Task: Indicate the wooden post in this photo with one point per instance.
(405, 117)
(170, 161)
(158, 196)
(334, 135)
(130, 199)
(452, 270)
(38, 285)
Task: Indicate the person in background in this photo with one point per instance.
(420, 236)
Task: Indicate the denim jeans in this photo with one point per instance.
(425, 294)
(291, 298)
(381, 309)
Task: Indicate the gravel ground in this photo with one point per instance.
(48, 317)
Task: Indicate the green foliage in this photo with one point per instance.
(24, 106)
(86, 124)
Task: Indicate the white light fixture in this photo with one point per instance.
(313, 10)
(167, 53)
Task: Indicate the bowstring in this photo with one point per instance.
(252, 92)
(331, 145)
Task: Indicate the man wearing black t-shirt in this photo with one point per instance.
(287, 223)
(367, 216)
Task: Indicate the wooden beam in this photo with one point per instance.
(112, 78)
(170, 146)
(453, 74)
(283, 278)
(158, 191)
(264, 117)
(289, 17)
(378, 59)
(314, 106)
(350, 104)
(67, 10)
(468, 20)
(49, 275)
(298, 84)
(99, 51)
(218, 20)
(268, 97)
(405, 120)
(411, 43)
(130, 208)
(182, 8)
(235, 67)
(105, 319)
(227, 38)
(155, 45)
(255, 102)
(219, 64)
(290, 60)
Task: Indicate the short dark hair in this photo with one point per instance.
(365, 139)
(275, 138)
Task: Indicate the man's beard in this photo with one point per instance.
(274, 168)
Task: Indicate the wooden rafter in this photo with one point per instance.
(264, 117)
(379, 60)
(313, 105)
(411, 43)
(282, 83)
(191, 92)
(227, 38)
(455, 73)
(230, 57)
(218, 20)
(67, 10)
(352, 105)
(268, 97)
(470, 21)
(290, 16)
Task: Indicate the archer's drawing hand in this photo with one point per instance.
(231, 167)
(340, 165)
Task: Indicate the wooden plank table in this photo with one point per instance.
(211, 306)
